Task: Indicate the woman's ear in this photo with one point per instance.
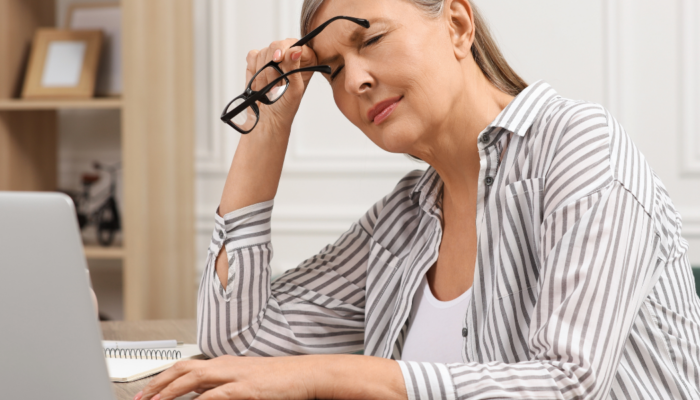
(461, 26)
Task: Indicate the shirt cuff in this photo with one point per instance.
(245, 227)
(426, 380)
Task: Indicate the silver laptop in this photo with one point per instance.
(49, 334)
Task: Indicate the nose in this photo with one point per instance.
(358, 80)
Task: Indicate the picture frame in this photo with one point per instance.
(107, 18)
(62, 64)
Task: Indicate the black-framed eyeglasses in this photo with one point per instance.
(242, 113)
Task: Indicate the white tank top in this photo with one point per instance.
(435, 327)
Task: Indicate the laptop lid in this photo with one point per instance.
(50, 337)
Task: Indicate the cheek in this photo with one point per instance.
(347, 104)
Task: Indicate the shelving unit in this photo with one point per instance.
(107, 103)
(104, 253)
(157, 141)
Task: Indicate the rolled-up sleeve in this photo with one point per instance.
(317, 307)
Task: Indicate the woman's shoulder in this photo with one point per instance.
(561, 116)
(582, 141)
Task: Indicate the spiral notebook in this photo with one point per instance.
(126, 365)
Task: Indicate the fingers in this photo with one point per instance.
(159, 382)
(199, 379)
(251, 63)
(227, 392)
(280, 52)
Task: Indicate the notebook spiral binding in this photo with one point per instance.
(143, 354)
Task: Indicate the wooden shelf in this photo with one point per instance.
(94, 252)
(156, 140)
(104, 103)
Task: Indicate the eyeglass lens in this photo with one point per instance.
(264, 77)
(246, 119)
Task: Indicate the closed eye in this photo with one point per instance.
(372, 41)
(367, 43)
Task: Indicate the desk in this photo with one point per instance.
(182, 330)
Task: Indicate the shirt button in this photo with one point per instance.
(221, 234)
(488, 181)
(485, 139)
(464, 332)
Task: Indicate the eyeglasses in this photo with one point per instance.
(242, 113)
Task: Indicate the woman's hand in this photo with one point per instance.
(230, 377)
(278, 117)
(298, 377)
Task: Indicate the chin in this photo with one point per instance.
(395, 136)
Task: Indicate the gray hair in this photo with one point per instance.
(484, 50)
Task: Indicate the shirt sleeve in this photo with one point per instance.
(317, 307)
(600, 255)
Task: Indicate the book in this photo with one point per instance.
(127, 365)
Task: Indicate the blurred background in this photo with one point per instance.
(183, 60)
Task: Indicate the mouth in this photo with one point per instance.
(381, 111)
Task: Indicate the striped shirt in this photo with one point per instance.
(582, 287)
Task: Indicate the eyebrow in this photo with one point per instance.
(356, 34)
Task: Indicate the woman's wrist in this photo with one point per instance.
(338, 377)
(255, 170)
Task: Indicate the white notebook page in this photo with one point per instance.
(127, 370)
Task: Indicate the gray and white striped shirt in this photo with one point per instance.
(582, 287)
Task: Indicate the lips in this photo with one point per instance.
(380, 111)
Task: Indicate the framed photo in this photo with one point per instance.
(106, 17)
(62, 64)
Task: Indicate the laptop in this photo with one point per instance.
(50, 338)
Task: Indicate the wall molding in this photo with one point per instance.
(689, 85)
(617, 25)
(691, 222)
(215, 35)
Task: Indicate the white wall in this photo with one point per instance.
(639, 59)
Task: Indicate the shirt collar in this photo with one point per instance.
(428, 187)
(517, 117)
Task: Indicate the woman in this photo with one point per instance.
(537, 257)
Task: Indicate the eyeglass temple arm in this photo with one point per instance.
(314, 68)
(360, 21)
(312, 34)
(252, 99)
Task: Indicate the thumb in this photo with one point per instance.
(308, 56)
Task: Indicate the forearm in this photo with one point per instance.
(255, 170)
(253, 178)
(345, 376)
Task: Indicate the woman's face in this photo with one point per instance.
(397, 81)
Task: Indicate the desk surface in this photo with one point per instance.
(182, 330)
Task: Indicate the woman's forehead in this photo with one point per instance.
(375, 11)
(344, 34)
(352, 8)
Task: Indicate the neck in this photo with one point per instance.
(453, 151)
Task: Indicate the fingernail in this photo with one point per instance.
(277, 55)
(296, 56)
(138, 395)
(156, 397)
